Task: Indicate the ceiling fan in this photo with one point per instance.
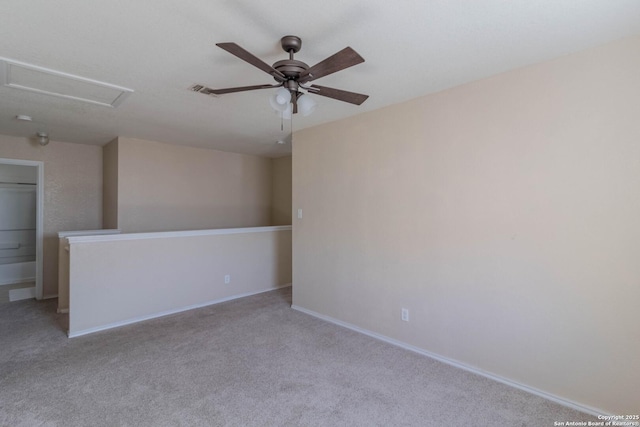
(292, 75)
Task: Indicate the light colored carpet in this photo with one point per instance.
(248, 362)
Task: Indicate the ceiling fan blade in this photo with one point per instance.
(237, 89)
(247, 56)
(340, 95)
(346, 58)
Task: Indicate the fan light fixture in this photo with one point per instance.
(306, 105)
(282, 102)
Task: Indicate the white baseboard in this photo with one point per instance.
(559, 400)
(22, 293)
(169, 312)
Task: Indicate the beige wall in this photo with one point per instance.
(148, 186)
(504, 214)
(165, 187)
(72, 192)
(281, 191)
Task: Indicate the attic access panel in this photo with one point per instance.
(19, 75)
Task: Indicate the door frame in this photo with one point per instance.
(39, 215)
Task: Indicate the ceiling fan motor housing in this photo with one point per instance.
(291, 68)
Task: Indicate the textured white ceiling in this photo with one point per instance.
(159, 48)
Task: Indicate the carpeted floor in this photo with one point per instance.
(248, 362)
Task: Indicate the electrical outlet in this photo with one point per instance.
(405, 314)
(227, 279)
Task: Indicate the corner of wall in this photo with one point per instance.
(110, 184)
(281, 183)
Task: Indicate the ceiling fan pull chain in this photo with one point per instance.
(291, 130)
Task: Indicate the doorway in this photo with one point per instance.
(21, 227)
